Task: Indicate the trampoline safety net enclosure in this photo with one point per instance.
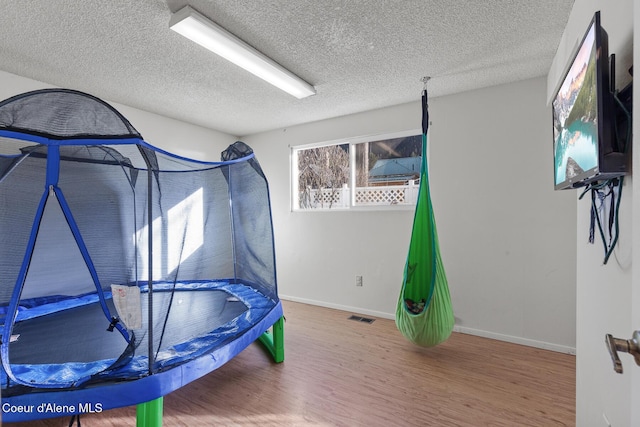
(122, 265)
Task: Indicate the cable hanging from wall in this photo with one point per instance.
(606, 196)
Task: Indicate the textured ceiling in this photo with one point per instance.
(359, 54)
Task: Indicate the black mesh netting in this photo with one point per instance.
(63, 113)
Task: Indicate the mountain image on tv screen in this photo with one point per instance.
(575, 115)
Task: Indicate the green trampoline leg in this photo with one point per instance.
(149, 414)
(274, 340)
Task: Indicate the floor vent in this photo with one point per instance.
(361, 319)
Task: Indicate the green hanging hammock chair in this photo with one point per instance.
(424, 313)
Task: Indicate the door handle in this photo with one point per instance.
(632, 346)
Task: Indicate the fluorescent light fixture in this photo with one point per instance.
(210, 35)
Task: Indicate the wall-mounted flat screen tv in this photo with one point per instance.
(584, 143)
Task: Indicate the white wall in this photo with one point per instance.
(507, 239)
(604, 292)
(318, 254)
(172, 135)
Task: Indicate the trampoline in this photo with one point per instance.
(126, 271)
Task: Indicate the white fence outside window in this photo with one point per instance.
(336, 198)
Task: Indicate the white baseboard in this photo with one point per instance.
(355, 310)
(461, 329)
(516, 340)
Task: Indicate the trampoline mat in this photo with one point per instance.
(80, 334)
(192, 313)
(74, 335)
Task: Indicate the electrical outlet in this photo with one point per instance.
(358, 280)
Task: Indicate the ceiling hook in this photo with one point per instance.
(424, 80)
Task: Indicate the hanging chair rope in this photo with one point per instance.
(424, 314)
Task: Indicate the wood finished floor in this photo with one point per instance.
(339, 372)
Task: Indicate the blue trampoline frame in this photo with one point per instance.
(147, 390)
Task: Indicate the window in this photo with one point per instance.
(384, 171)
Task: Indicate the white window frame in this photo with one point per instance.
(352, 206)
